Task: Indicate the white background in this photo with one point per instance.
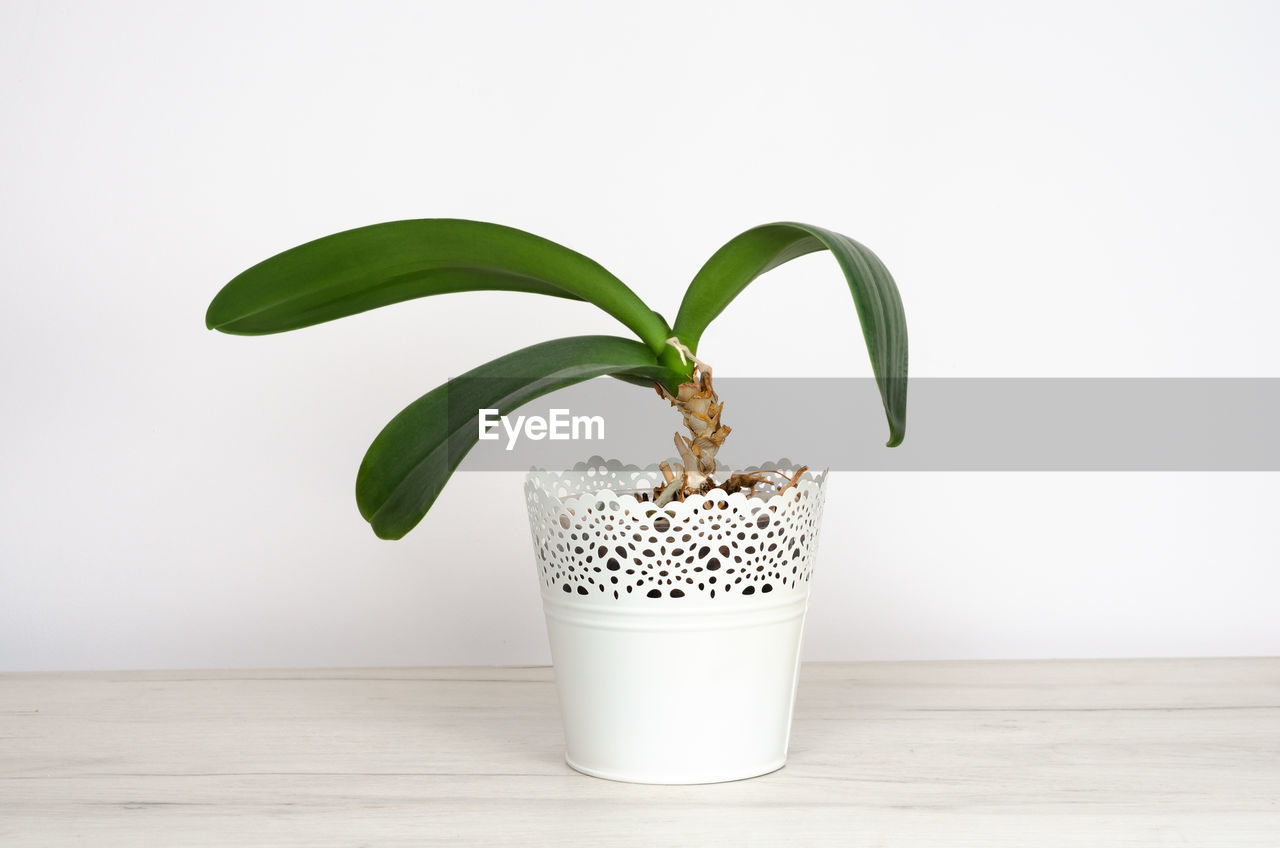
(1067, 190)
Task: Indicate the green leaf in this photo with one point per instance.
(410, 461)
(879, 306)
(368, 267)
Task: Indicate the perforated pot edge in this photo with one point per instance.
(596, 543)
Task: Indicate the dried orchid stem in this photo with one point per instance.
(700, 408)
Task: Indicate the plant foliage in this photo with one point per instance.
(413, 457)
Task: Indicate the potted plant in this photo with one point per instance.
(674, 594)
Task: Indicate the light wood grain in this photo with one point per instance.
(1065, 753)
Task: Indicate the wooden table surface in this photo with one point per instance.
(1033, 754)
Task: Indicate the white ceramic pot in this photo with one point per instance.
(675, 631)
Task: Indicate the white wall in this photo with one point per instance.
(1083, 189)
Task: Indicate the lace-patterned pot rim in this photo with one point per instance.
(595, 542)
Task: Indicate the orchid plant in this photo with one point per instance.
(411, 460)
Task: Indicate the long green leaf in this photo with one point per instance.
(879, 306)
(368, 267)
(412, 458)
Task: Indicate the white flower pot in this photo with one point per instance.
(675, 631)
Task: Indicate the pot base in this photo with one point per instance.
(674, 779)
